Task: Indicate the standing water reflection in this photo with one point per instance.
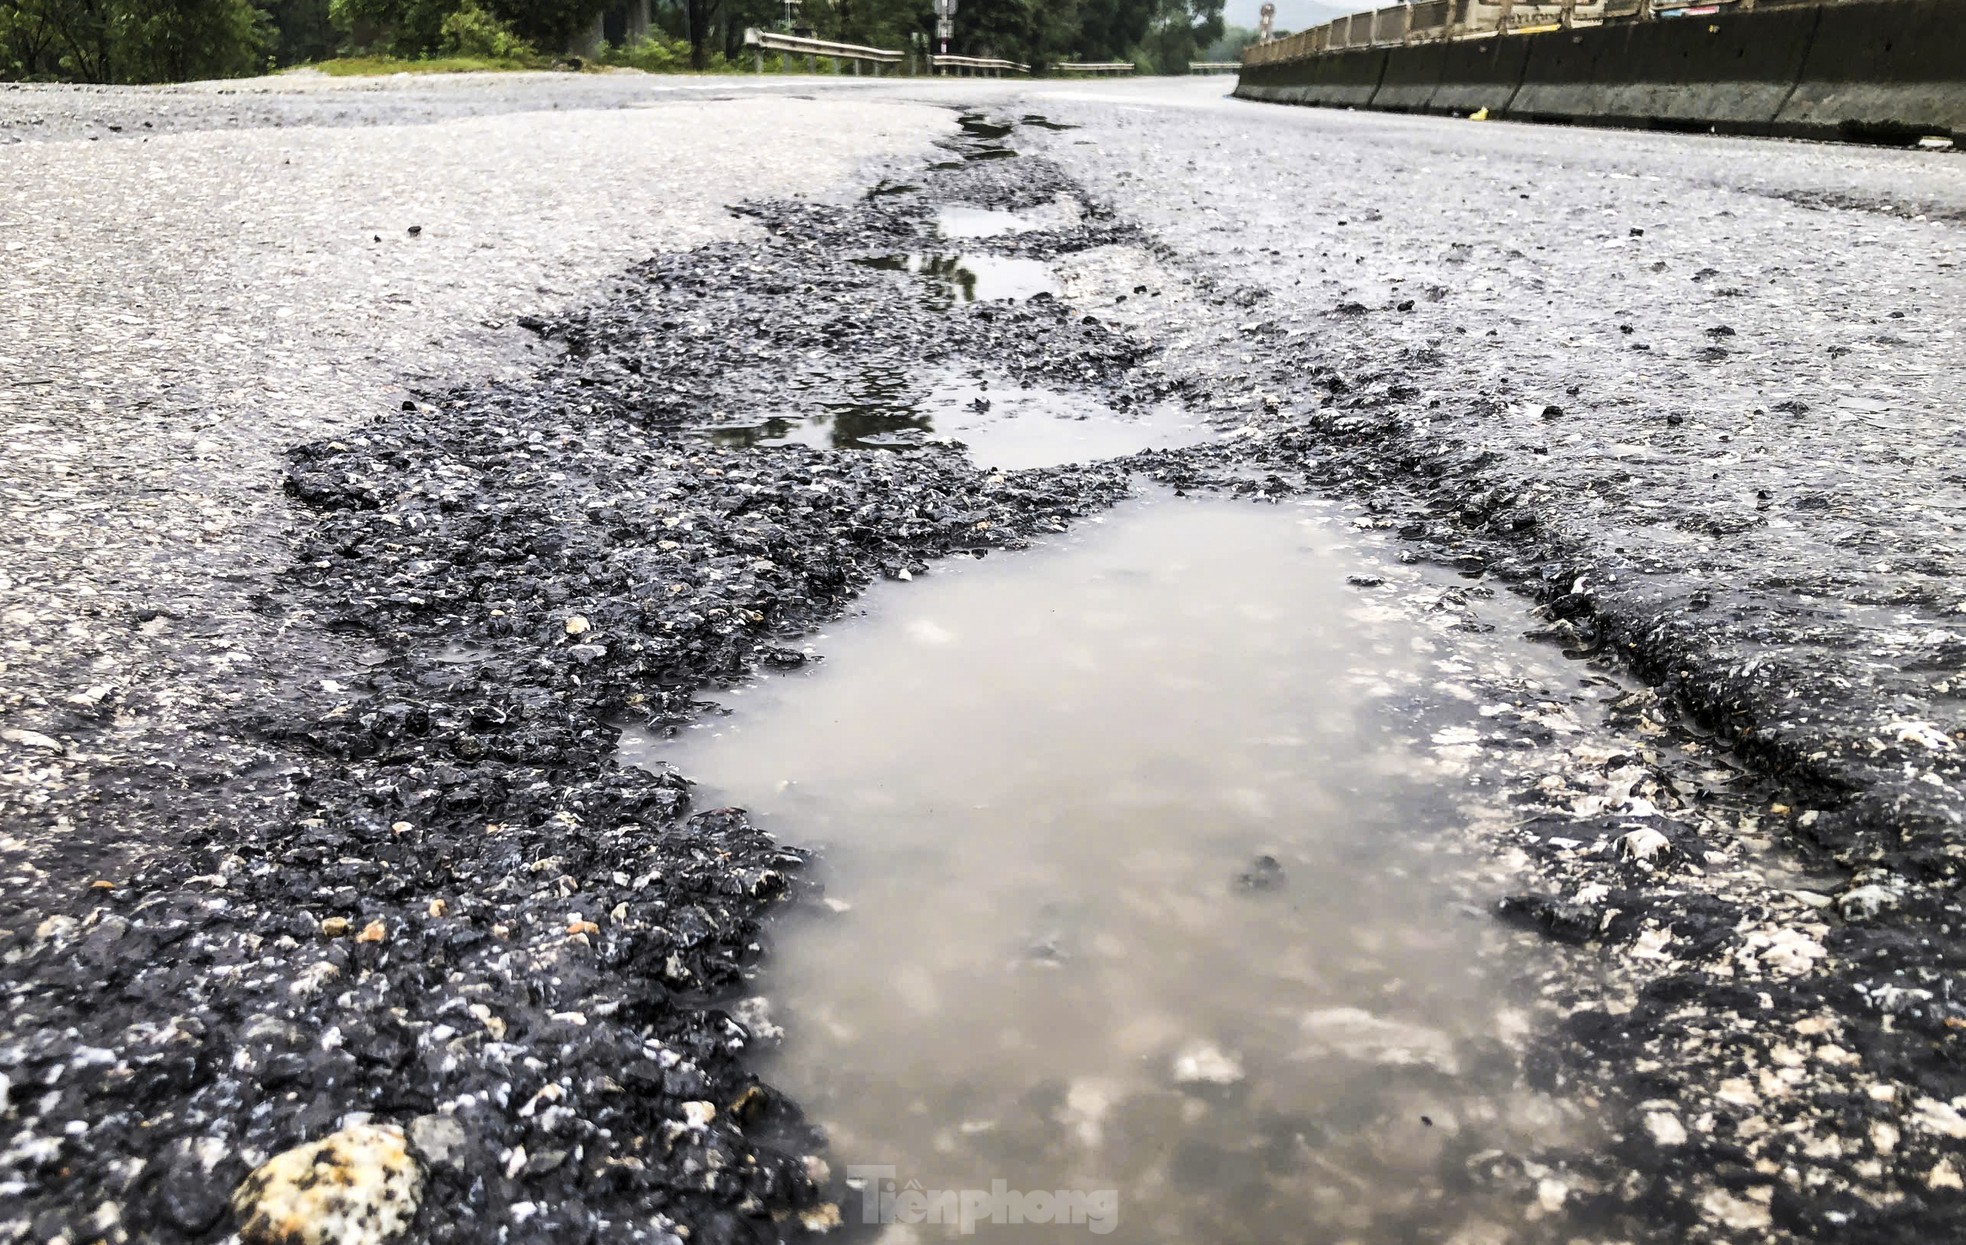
(1137, 891)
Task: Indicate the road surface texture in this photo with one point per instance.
(353, 505)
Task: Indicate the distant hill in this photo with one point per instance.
(1291, 14)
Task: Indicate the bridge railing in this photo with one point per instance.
(1430, 20)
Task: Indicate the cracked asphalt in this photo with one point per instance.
(272, 458)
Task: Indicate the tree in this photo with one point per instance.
(130, 40)
(1229, 44)
(1179, 30)
(27, 44)
(180, 40)
(399, 27)
(302, 31)
(549, 25)
(699, 16)
(60, 40)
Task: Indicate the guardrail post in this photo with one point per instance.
(760, 67)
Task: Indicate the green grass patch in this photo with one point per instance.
(377, 66)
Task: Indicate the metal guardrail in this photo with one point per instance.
(1440, 20)
(762, 41)
(1092, 67)
(1214, 66)
(972, 65)
(788, 46)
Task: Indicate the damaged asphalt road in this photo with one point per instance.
(417, 890)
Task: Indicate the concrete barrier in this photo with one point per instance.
(1560, 72)
(1479, 73)
(1334, 80)
(1412, 76)
(1729, 71)
(1858, 69)
(1894, 69)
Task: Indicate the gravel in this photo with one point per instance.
(183, 308)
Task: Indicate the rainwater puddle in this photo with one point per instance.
(956, 221)
(948, 280)
(1140, 900)
(1009, 427)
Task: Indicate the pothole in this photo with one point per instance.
(1143, 893)
(957, 222)
(1001, 425)
(950, 280)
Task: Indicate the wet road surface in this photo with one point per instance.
(1679, 410)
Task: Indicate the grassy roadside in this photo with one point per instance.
(375, 66)
(383, 66)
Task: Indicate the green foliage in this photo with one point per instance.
(428, 27)
(392, 27)
(1229, 44)
(473, 32)
(302, 31)
(1177, 32)
(181, 40)
(131, 40)
(550, 25)
(158, 40)
(657, 53)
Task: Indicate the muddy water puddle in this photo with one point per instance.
(1145, 914)
(950, 280)
(958, 221)
(1001, 425)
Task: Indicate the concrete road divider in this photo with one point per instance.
(1854, 69)
(1335, 80)
(1727, 71)
(1894, 70)
(1560, 73)
(1411, 78)
(1731, 71)
(1480, 73)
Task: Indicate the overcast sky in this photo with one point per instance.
(1291, 14)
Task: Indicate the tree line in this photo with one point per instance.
(130, 41)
